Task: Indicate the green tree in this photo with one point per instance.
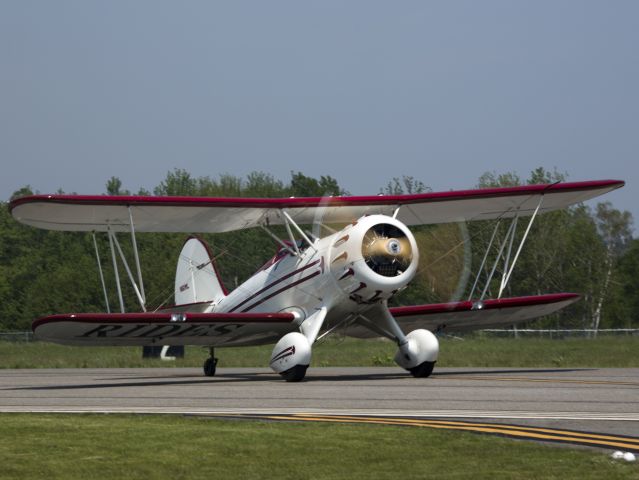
(406, 185)
(623, 310)
(492, 179)
(177, 183)
(615, 229)
(303, 186)
(114, 187)
(22, 192)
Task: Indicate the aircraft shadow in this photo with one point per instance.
(146, 381)
(511, 370)
(311, 376)
(197, 380)
(228, 378)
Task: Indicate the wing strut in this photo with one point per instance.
(137, 258)
(290, 233)
(504, 280)
(277, 239)
(97, 257)
(299, 230)
(288, 221)
(114, 245)
(483, 262)
(509, 267)
(115, 269)
(128, 271)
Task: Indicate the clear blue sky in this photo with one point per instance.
(360, 90)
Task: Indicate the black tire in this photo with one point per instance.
(422, 370)
(295, 374)
(209, 366)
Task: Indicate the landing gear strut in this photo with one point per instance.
(210, 363)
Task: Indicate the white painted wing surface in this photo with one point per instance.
(468, 315)
(206, 214)
(162, 328)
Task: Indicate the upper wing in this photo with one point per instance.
(162, 328)
(206, 214)
(466, 316)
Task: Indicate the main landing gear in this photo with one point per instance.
(210, 363)
(422, 370)
(295, 374)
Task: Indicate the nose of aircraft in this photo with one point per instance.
(373, 258)
(387, 250)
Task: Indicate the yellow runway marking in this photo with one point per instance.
(473, 424)
(513, 431)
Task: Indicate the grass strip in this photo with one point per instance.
(604, 351)
(154, 447)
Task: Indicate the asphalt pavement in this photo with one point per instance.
(604, 400)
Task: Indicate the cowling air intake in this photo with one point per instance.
(373, 258)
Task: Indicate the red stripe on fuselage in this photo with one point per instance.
(272, 284)
(283, 289)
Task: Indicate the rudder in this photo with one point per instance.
(196, 277)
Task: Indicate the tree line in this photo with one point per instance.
(585, 250)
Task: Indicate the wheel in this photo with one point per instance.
(295, 374)
(422, 370)
(209, 366)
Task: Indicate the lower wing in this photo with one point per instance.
(466, 316)
(162, 328)
(193, 328)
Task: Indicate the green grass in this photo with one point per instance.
(150, 447)
(476, 351)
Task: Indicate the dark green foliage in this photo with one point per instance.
(574, 250)
(45, 272)
(114, 187)
(405, 185)
(303, 186)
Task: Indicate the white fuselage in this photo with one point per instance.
(331, 273)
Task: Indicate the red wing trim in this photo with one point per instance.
(436, 308)
(128, 200)
(165, 318)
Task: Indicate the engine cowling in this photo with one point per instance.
(373, 258)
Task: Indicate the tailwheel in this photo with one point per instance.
(422, 370)
(295, 374)
(210, 364)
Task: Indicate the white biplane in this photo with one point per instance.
(314, 284)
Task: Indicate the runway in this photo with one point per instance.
(603, 401)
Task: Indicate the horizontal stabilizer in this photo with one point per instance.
(157, 328)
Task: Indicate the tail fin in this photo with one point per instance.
(196, 277)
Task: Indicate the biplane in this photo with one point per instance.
(314, 284)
